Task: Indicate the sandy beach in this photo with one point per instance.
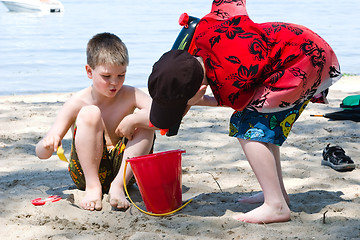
(325, 204)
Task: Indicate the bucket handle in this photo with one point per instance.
(149, 213)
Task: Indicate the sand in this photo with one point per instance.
(325, 204)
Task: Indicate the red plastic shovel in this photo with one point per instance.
(40, 201)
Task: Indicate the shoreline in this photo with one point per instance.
(350, 76)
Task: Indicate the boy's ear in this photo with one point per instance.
(88, 71)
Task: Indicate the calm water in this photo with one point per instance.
(46, 53)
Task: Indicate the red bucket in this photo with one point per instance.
(158, 176)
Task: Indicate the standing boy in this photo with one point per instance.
(266, 72)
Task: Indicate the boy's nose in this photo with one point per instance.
(114, 81)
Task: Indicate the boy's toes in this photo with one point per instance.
(92, 205)
(119, 204)
(98, 206)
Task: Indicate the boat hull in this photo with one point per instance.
(33, 6)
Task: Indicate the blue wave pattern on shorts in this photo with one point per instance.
(265, 127)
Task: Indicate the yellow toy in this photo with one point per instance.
(61, 155)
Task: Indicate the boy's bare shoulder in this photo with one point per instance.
(130, 90)
(127, 88)
(143, 90)
(80, 98)
(132, 96)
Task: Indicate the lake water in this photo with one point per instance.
(46, 53)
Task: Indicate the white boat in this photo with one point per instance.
(33, 5)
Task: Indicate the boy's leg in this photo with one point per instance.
(262, 161)
(140, 144)
(89, 148)
(276, 153)
(259, 197)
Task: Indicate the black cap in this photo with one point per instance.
(175, 78)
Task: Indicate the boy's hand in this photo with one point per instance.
(126, 127)
(51, 143)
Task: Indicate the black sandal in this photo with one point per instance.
(335, 158)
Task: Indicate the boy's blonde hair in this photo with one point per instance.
(106, 48)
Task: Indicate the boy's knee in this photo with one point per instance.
(143, 139)
(89, 115)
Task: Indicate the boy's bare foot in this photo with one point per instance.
(266, 214)
(259, 198)
(92, 199)
(117, 197)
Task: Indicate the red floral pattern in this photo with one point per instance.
(268, 66)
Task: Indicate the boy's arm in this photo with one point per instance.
(207, 101)
(201, 99)
(65, 118)
(141, 117)
(138, 119)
